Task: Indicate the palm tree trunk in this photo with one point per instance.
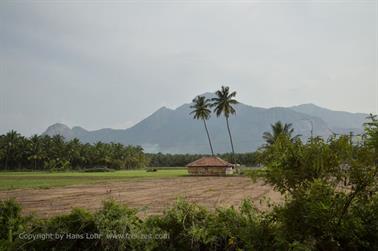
(208, 137)
(232, 144)
(6, 162)
(6, 158)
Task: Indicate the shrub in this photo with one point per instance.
(70, 232)
(11, 223)
(118, 226)
(184, 224)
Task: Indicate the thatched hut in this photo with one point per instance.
(214, 166)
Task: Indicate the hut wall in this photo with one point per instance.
(229, 170)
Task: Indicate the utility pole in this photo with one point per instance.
(312, 129)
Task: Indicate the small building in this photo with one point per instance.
(213, 166)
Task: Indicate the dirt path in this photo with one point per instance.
(150, 195)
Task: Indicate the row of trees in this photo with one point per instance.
(46, 153)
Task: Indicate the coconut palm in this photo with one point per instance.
(201, 111)
(223, 103)
(372, 117)
(35, 150)
(278, 129)
(11, 142)
(372, 120)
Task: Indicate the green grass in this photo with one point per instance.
(46, 180)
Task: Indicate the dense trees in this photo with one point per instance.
(54, 153)
(331, 189)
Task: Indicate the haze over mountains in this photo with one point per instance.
(175, 131)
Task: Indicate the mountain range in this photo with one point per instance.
(175, 131)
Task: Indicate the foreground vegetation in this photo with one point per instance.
(331, 201)
(14, 180)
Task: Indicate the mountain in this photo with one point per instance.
(338, 121)
(175, 131)
(60, 129)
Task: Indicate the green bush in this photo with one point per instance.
(310, 221)
(117, 225)
(11, 223)
(69, 232)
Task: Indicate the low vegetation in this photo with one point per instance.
(15, 180)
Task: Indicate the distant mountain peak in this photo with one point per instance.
(59, 129)
(335, 119)
(79, 129)
(309, 104)
(163, 108)
(208, 95)
(58, 126)
(308, 108)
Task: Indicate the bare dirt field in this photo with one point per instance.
(151, 196)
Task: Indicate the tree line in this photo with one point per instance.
(54, 153)
(43, 152)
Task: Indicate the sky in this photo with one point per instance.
(109, 64)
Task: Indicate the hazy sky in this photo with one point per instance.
(97, 64)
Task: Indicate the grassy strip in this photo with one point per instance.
(15, 180)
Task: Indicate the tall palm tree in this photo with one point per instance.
(278, 129)
(201, 111)
(223, 103)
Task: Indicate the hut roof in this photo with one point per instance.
(209, 162)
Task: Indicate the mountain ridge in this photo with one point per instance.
(175, 131)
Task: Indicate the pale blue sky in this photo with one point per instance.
(110, 64)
